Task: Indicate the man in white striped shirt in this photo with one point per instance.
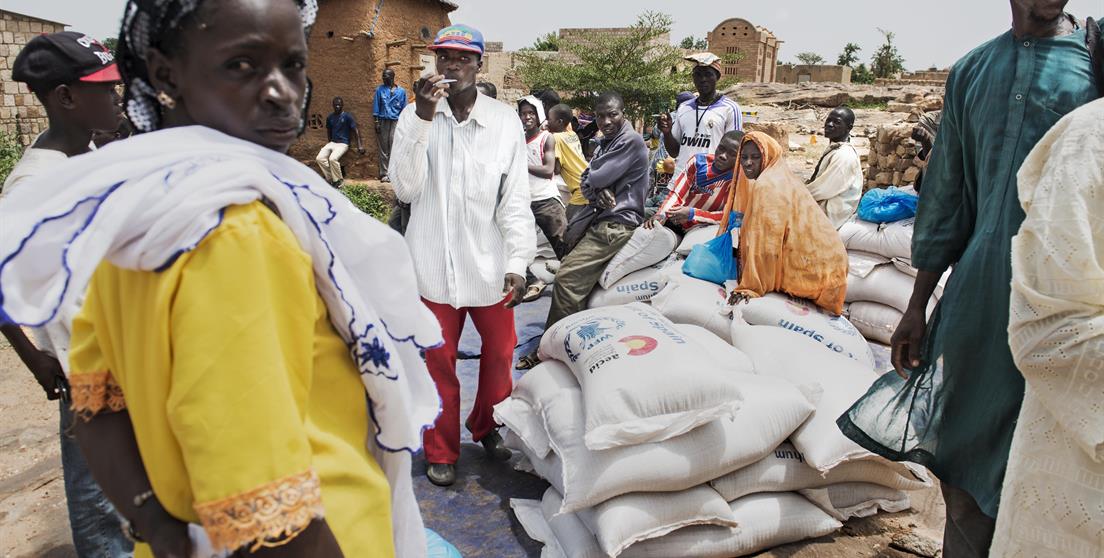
(461, 165)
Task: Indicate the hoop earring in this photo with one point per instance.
(166, 100)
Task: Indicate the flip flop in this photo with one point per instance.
(527, 362)
(534, 292)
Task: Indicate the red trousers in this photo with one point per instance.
(495, 324)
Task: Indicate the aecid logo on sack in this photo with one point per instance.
(639, 345)
(590, 334)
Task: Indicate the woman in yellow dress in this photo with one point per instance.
(237, 309)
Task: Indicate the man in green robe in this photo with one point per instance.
(956, 411)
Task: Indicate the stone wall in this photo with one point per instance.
(820, 73)
(891, 160)
(350, 45)
(21, 114)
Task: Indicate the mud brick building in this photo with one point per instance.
(351, 43)
(803, 73)
(21, 114)
(756, 47)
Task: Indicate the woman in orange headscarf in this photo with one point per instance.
(787, 244)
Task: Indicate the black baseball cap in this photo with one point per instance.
(54, 59)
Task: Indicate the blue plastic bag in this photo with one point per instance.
(887, 205)
(714, 261)
(439, 547)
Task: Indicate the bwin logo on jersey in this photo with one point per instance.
(697, 141)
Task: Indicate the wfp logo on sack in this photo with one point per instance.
(589, 335)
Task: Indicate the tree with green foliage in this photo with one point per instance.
(111, 43)
(862, 74)
(809, 58)
(692, 43)
(848, 56)
(887, 61)
(639, 64)
(10, 153)
(547, 43)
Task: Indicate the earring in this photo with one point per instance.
(166, 100)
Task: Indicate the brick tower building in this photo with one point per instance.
(756, 47)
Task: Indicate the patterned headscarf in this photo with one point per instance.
(145, 22)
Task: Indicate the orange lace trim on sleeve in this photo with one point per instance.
(267, 516)
(94, 392)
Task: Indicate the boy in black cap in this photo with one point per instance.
(74, 77)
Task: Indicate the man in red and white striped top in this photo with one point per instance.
(698, 195)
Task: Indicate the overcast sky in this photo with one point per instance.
(929, 32)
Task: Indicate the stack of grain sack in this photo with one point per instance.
(881, 276)
(680, 429)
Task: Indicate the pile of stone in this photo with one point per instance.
(891, 161)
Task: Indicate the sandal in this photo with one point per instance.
(528, 362)
(534, 292)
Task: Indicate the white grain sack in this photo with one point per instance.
(696, 236)
(540, 269)
(785, 470)
(803, 361)
(804, 318)
(642, 380)
(862, 263)
(524, 420)
(638, 286)
(543, 382)
(891, 240)
(857, 499)
(775, 408)
(623, 521)
(645, 248)
(766, 521)
(885, 285)
(687, 300)
(540, 522)
(876, 322)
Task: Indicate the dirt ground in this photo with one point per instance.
(33, 518)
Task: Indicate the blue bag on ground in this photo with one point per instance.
(439, 547)
(887, 205)
(714, 261)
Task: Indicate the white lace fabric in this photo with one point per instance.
(1052, 503)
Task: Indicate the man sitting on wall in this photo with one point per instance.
(339, 126)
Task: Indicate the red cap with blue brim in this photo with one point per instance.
(459, 37)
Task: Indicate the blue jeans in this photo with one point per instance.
(97, 529)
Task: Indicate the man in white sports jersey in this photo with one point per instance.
(699, 124)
